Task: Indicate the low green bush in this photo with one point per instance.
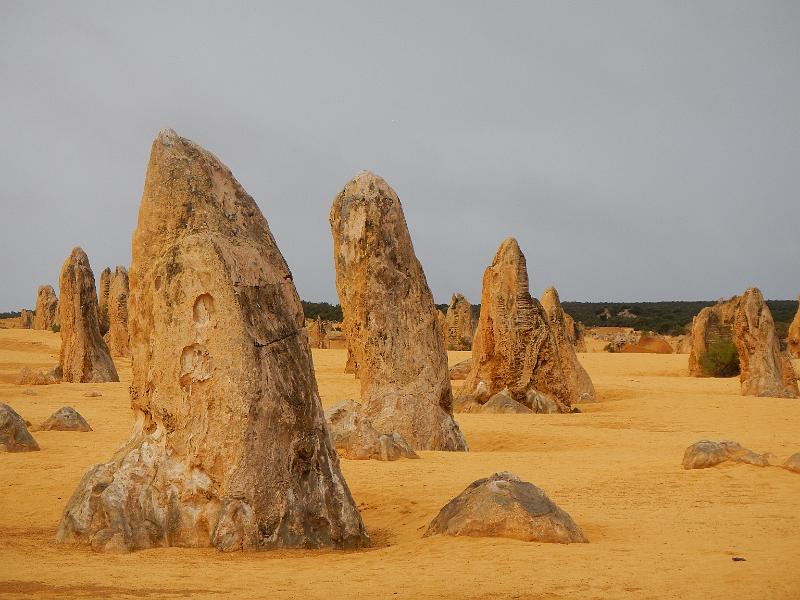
(721, 359)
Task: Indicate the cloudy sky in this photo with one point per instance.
(637, 150)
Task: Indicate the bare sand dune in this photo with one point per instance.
(655, 530)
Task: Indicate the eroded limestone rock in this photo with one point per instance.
(355, 438)
(230, 448)
(705, 453)
(65, 419)
(390, 320)
(459, 324)
(503, 403)
(793, 339)
(117, 311)
(14, 434)
(459, 371)
(84, 355)
(46, 314)
(514, 347)
(505, 506)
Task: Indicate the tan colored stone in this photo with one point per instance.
(793, 339)
(28, 376)
(765, 370)
(514, 346)
(117, 310)
(581, 388)
(705, 454)
(505, 506)
(26, 318)
(355, 438)
(230, 448)
(102, 299)
(389, 318)
(648, 344)
(711, 324)
(65, 419)
(459, 324)
(46, 308)
(84, 355)
(459, 371)
(14, 434)
(317, 336)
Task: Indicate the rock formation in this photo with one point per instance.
(793, 339)
(28, 376)
(117, 312)
(230, 447)
(102, 299)
(355, 438)
(459, 371)
(14, 434)
(765, 370)
(65, 419)
(26, 318)
(578, 381)
(706, 454)
(317, 337)
(503, 403)
(390, 319)
(648, 344)
(46, 308)
(747, 322)
(792, 463)
(710, 325)
(459, 323)
(514, 347)
(84, 355)
(505, 506)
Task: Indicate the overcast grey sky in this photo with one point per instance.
(637, 150)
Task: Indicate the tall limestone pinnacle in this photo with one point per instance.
(84, 356)
(393, 332)
(514, 347)
(46, 308)
(230, 448)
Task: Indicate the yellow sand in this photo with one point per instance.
(655, 530)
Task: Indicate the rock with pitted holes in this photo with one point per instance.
(230, 448)
(14, 434)
(65, 419)
(117, 311)
(514, 347)
(390, 320)
(84, 354)
(355, 437)
(459, 324)
(459, 371)
(765, 370)
(505, 506)
(581, 388)
(705, 453)
(46, 308)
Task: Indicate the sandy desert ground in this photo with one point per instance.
(655, 530)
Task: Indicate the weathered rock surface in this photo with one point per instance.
(580, 385)
(502, 403)
(505, 506)
(765, 370)
(711, 324)
(514, 347)
(230, 448)
(14, 434)
(705, 453)
(84, 355)
(792, 463)
(793, 339)
(117, 337)
(648, 344)
(459, 371)
(28, 376)
(389, 318)
(355, 438)
(92, 394)
(102, 299)
(46, 308)
(26, 318)
(317, 337)
(459, 324)
(65, 419)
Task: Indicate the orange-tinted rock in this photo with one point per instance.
(459, 324)
(46, 308)
(793, 339)
(117, 310)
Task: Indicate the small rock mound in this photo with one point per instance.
(706, 454)
(505, 506)
(503, 403)
(793, 463)
(355, 438)
(14, 434)
(92, 394)
(459, 371)
(30, 377)
(65, 419)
